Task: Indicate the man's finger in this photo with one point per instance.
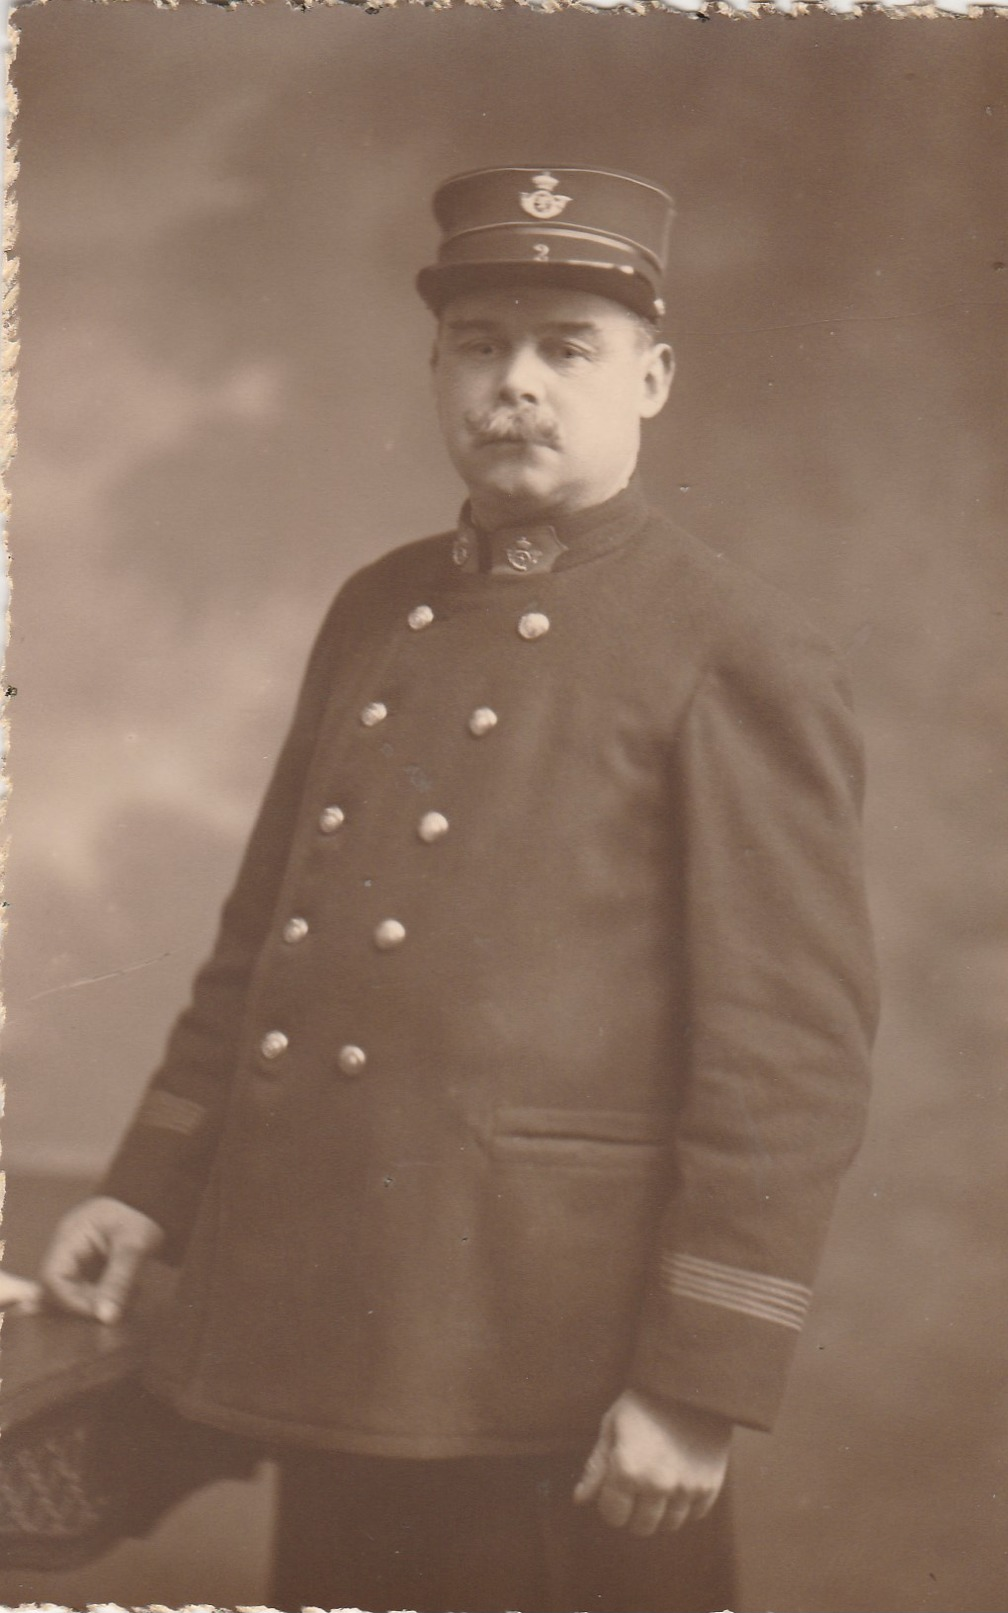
(615, 1505)
(69, 1258)
(591, 1480)
(62, 1274)
(647, 1515)
(703, 1504)
(117, 1280)
(677, 1510)
(72, 1294)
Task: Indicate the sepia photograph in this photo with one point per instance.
(505, 953)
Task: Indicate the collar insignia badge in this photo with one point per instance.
(461, 550)
(523, 555)
(543, 202)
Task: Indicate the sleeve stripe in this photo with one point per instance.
(770, 1299)
(756, 1281)
(168, 1112)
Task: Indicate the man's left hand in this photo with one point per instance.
(655, 1465)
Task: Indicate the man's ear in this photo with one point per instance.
(657, 379)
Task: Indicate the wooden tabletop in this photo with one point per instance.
(50, 1358)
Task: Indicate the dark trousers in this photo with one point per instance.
(479, 1535)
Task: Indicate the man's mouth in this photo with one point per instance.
(507, 439)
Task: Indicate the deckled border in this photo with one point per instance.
(8, 387)
(699, 9)
(739, 8)
(750, 10)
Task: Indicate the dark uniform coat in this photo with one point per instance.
(534, 1041)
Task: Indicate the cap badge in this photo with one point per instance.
(543, 202)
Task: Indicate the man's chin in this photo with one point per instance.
(524, 486)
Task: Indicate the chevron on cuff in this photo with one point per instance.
(769, 1299)
(168, 1112)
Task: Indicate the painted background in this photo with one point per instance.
(224, 409)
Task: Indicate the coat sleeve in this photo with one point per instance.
(781, 1011)
(163, 1161)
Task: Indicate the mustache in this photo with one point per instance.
(515, 423)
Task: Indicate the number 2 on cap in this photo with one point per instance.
(540, 250)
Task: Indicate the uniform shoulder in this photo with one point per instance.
(381, 581)
(733, 615)
(362, 601)
(406, 562)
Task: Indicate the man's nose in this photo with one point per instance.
(521, 379)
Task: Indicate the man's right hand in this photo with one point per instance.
(95, 1255)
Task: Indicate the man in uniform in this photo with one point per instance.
(499, 1139)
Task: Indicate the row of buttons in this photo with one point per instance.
(351, 1059)
(388, 934)
(480, 721)
(433, 826)
(532, 625)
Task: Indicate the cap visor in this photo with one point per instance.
(440, 283)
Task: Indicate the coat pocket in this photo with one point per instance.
(570, 1213)
(586, 1138)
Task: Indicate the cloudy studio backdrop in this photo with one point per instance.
(224, 410)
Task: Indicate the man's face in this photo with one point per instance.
(540, 395)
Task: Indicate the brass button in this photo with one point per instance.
(295, 930)
(351, 1059)
(533, 624)
(388, 934)
(374, 712)
(482, 721)
(432, 826)
(420, 617)
(273, 1044)
(331, 818)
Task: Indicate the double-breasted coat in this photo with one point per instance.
(534, 1041)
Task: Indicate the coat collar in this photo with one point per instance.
(551, 544)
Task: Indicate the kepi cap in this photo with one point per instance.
(587, 228)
